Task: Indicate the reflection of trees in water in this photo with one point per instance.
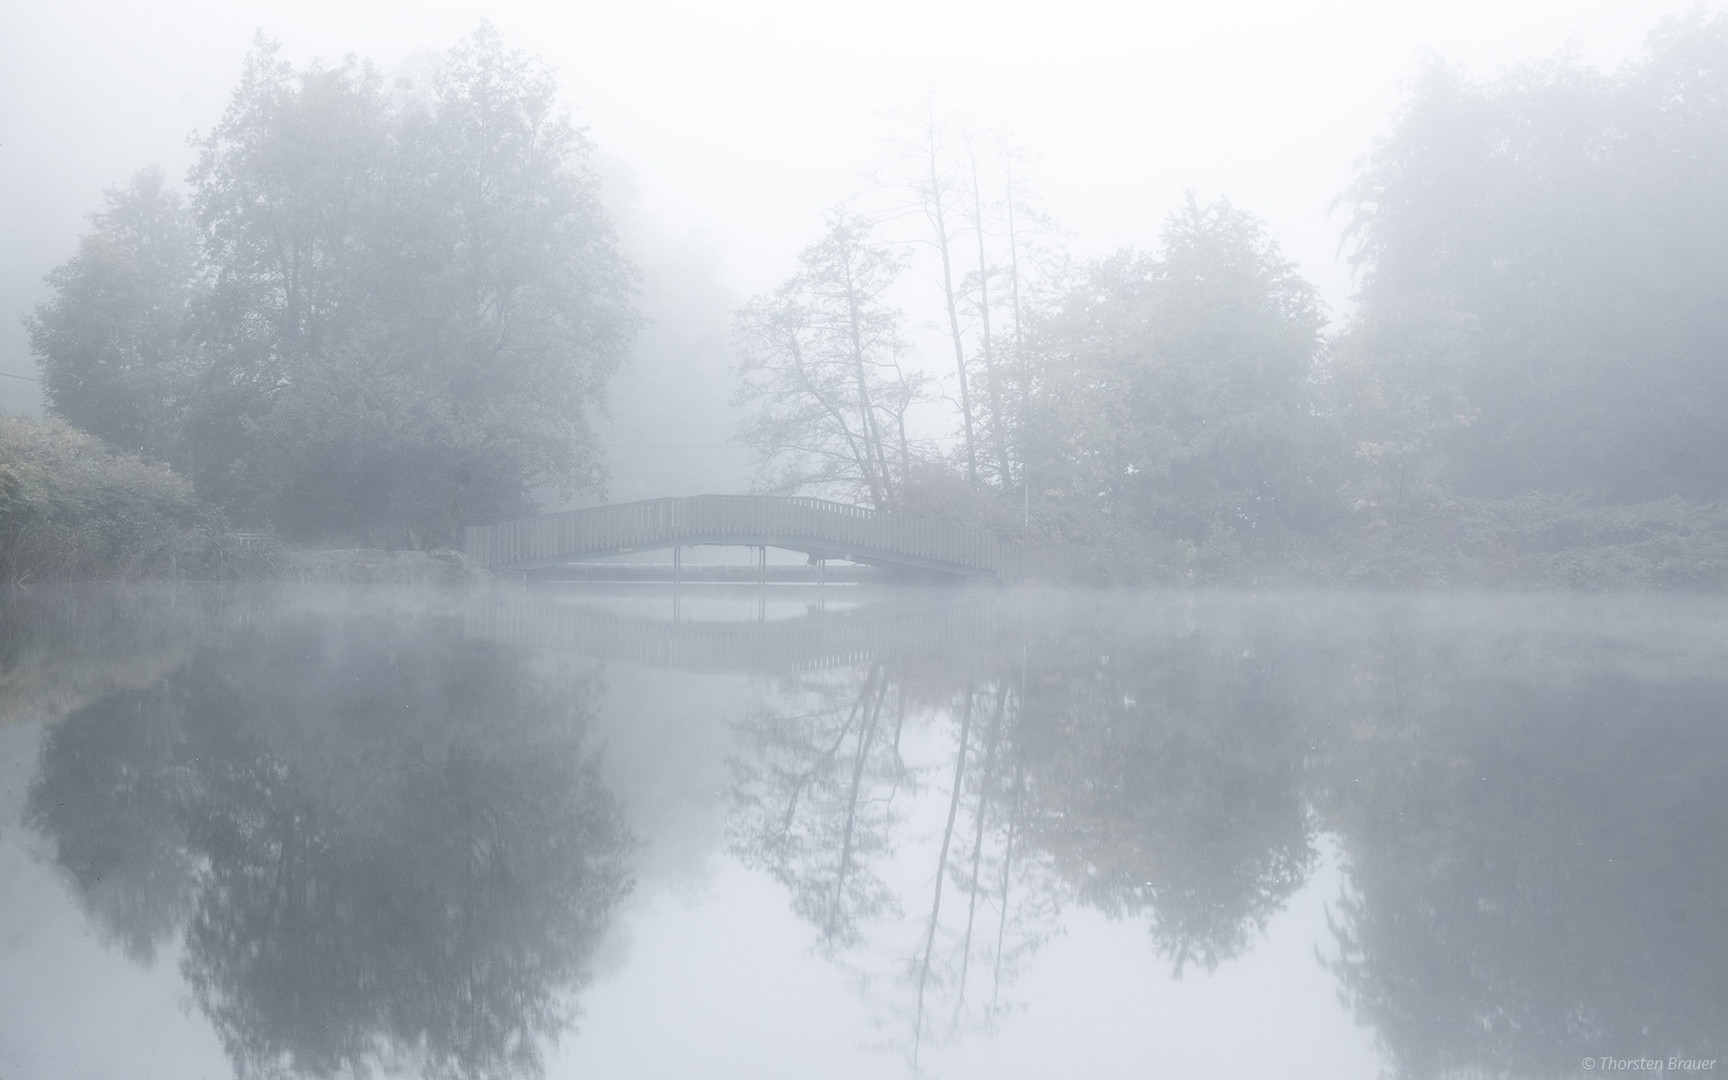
(1169, 785)
(1158, 780)
(386, 845)
(383, 842)
(1529, 808)
(65, 646)
(814, 797)
(999, 904)
(1538, 854)
(904, 867)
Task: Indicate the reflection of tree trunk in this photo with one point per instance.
(1013, 813)
(808, 774)
(941, 872)
(1007, 862)
(984, 782)
(866, 735)
(899, 726)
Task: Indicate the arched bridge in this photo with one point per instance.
(818, 527)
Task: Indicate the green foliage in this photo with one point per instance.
(72, 507)
(1175, 392)
(114, 339)
(1394, 381)
(1574, 220)
(404, 306)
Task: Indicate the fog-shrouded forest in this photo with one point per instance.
(384, 304)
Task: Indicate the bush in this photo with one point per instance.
(71, 507)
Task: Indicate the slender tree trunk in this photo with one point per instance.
(900, 424)
(866, 407)
(939, 218)
(860, 454)
(1020, 358)
(876, 460)
(998, 439)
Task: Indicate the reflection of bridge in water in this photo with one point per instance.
(939, 630)
(817, 527)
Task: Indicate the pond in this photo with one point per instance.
(852, 831)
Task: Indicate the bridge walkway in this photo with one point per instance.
(818, 527)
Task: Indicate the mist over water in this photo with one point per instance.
(862, 832)
(920, 541)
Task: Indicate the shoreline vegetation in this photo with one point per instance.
(381, 310)
(74, 509)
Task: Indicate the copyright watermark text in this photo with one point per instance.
(1610, 1063)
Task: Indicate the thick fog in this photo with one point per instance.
(1223, 293)
(739, 124)
(766, 539)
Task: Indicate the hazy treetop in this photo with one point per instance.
(1264, 102)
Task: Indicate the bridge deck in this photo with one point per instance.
(818, 527)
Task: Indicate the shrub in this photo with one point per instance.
(72, 507)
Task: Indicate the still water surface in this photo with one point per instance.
(849, 833)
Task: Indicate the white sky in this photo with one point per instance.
(742, 120)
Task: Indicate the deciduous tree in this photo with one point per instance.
(820, 359)
(405, 306)
(113, 341)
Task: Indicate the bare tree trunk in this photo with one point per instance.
(998, 440)
(900, 423)
(1020, 357)
(876, 463)
(938, 212)
(834, 410)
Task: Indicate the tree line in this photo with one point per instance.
(386, 310)
(1528, 384)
